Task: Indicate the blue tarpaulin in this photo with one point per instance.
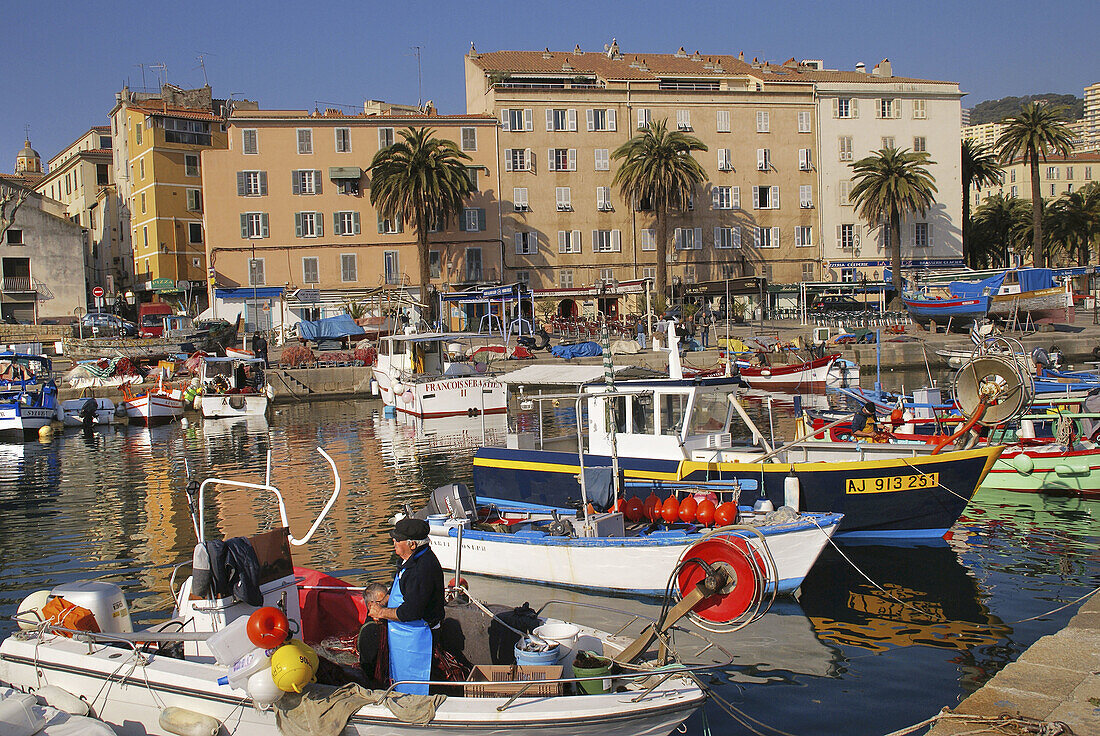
(1033, 279)
(580, 350)
(971, 289)
(332, 328)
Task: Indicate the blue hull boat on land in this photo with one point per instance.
(961, 311)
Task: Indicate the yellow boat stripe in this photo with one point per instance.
(990, 453)
(489, 462)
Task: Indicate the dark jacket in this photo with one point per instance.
(422, 588)
(234, 569)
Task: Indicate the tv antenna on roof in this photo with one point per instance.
(161, 66)
(202, 65)
(419, 85)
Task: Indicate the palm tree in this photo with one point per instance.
(421, 180)
(1033, 132)
(657, 167)
(999, 222)
(980, 168)
(1074, 222)
(889, 185)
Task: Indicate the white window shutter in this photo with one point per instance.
(836, 107)
(595, 240)
(698, 244)
(590, 119)
(715, 199)
(561, 241)
(756, 197)
(519, 242)
(897, 108)
(857, 231)
(550, 160)
(775, 237)
(774, 198)
(735, 199)
(571, 119)
(533, 242)
(610, 119)
(528, 159)
(527, 119)
(575, 242)
(929, 235)
(678, 239)
(717, 237)
(572, 159)
(756, 237)
(853, 107)
(616, 241)
(508, 160)
(549, 119)
(505, 119)
(803, 158)
(839, 236)
(760, 159)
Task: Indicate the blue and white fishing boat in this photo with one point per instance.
(961, 311)
(28, 394)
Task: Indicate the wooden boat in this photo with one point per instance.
(157, 405)
(139, 690)
(416, 377)
(803, 376)
(28, 394)
(961, 311)
(233, 387)
(211, 336)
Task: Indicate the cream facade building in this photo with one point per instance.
(290, 230)
(1058, 175)
(1092, 116)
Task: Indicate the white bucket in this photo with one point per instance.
(566, 636)
(437, 519)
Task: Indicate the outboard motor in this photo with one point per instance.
(1055, 358)
(88, 411)
(1040, 358)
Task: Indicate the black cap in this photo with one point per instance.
(869, 406)
(415, 529)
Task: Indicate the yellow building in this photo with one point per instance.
(1058, 175)
(987, 134)
(290, 230)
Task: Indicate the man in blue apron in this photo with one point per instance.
(415, 606)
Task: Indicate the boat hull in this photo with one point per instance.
(216, 406)
(152, 409)
(1045, 470)
(864, 491)
(104, 414)
(443, 396)
(624, 565)
(18, 420)
(960, 311)
(1054, 304)
(812, 375)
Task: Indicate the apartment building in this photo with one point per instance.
(1092, 117)
(81, 178)
(562, 115)
(290, 230)
(861, 112)
(987, 134)
(1058, 175)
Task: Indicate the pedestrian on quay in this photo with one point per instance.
(641, 333)
(259, 347)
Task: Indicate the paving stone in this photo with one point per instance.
(1044, 679)
(994, 701)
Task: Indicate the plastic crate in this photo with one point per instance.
(505, 680)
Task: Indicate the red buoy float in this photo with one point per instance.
(650, 507)
(748, 577)
(725, 514)
(267, 627)
(633, 509)
(688, 509)
(704, 512)
(670, 512)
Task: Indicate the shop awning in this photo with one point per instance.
(248, 292)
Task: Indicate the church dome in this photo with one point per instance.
(28, 159)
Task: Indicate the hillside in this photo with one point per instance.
(994, 111)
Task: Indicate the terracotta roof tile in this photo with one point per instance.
(176, 112)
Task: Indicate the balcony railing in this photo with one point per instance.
(17, 283)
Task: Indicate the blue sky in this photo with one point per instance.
(66, 60)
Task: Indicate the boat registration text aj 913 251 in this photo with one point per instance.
(891, 483)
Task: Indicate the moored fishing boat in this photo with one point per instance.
(233, 387)
(28, 394)
(158, 405)
(803, 375)
(960, 311)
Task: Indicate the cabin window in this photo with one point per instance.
(673, 408)
(709, 414)
(616, 413)
(641, 413)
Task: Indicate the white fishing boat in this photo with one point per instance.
(157, 405)
(233, 387)
(88, 411)
(132, 683)
(28, 394)
(416, 376)
(800, 376)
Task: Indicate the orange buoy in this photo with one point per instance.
(267, 627)
(670, 512)
(688, 510)
(725, 514)
(704, 512)
(650, 507)
(633, 509)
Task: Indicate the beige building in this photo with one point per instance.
(1092, 117)
(291, 232)
(986, 134)
(561, 116)
(1058, 175)
(81, 178)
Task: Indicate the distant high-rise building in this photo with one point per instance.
(1092, 117)
(965, 116)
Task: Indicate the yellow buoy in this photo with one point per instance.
(293, 666)
(45, 433)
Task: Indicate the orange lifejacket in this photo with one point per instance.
(69, 615)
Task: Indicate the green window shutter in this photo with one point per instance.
(244, 225)
(355, 223)
(317, 180)
(399, 223)
(462, 221)
(319, 223)
(264, 230)
(480, 220)
(263, 183)
(295, 183)
(381, 224)
(240, 183)
(336, 227)
(297, 224)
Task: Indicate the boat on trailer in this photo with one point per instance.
(135, 683)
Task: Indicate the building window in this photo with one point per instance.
(349, 267)
(803, 236)
(920, 144)
(724, 161)
(254, 225)
(471, 174)
(683, 119)
(603, 199)
(1052, 172)
(727, 237)
(310, 270)
(251, 183)
(920, 110)
(603, 159)
(723, 122)
(888, 141)
(194, 232)
(469, 139)
(1012, 191)
(343, 140)
(250, 143)
(648, 239)
(190, 132)
(561, 120)
(804, 121)
(305, 140)
(1088, 173)
(565, 278)
(763, 124)
(516, 120)
(562, 159)
(569, 241)
(1012, 176)
(143, 203)
(607, 275)
(765, 198)
(523, 278)
(847, 275)
(256, 272)
(807, 271)
(102, 175)
(190, 165)
(922, 234)
(806, 196)
(599, 119)
(763, 159)
(847, 235)
(194, 200)
(385, 138)
(141, 173)
(308, 224)
(435, 265)
(527, 243)
(888, 108)
(844, 146)
(391, 267)
(767, 237)
(1069, 172)
(517, 159)
(137, 133)
(347, 223)
(519, 199)
(563, 199)
(14, 237)
(687, 238)
(722, 198)
(805, 159)
(305, 181)
(473, 219)
(145, 237)
(473, 264)
(845, 107)
(1053, 190)
(606, 241)
(643, 118)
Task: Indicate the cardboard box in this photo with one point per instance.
(505, 680)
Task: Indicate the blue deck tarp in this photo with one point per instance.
(971, 289)
(331, 328)
(580, 350)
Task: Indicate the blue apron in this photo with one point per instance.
(410, 644)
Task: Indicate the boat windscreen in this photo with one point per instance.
(641, 413)
(673, 408)
(710, 413)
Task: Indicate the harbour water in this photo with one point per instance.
(879, 638)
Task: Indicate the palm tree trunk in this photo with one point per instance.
(661, 287)
(1038, 259)
(425, 275)
(895, 251)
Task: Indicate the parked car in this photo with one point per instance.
(103, 324)
(840, 303)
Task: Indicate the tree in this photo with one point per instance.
(421, 180)
(657, 167)
(999, 222)
(980, 168)
(1033, 132)
(1074, 222)
(889, 185)
(11, 199)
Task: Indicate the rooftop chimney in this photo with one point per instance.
(861, 67)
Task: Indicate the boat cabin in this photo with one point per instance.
(232, 375)
(425, 354)
(19, 369)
